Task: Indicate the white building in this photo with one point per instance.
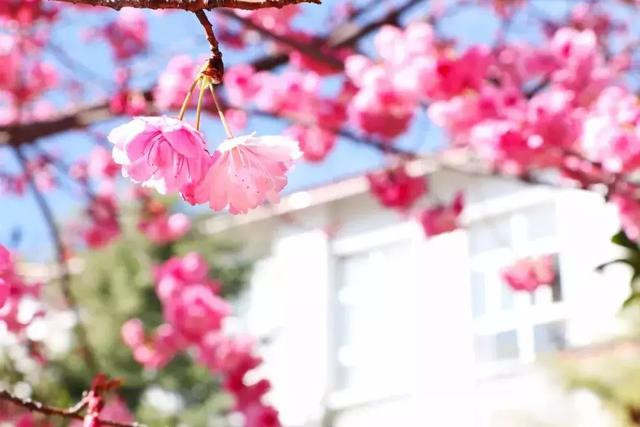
(371, 324)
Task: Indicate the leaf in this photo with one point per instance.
(621, 239)
(631, 299)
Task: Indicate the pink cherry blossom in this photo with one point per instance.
(611, 131)
(395, 188)
(246, 171)
(13, 291)
(26, 12)
(6, 260)
(530, 273)
(159, 348)
(127, 34)
(101, 164)
(240, 84)
(259, 415)
(195, 310)
(103, 225)
(165, 228)
(160, 152)
(174, 81)
(233, 356)
(442, 218)
(272, 19)
(629, 211)
(316, 143)
(132, 332)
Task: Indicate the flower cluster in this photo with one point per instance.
(171, 156)
(14, 291)
(442, 218)
(530, 273)
(193, 314)
(394, 188)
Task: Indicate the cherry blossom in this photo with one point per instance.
(394, 188)
(173, 82)
(629, 211)
(127, 34)
(442, 218)
(530, 273)
(160, 152)
(165, 228)
(247, 171)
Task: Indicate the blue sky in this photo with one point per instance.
(180, 32)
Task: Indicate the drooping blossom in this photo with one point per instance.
(530, 273)
(246, 171)
(442, 218)
(394, 188)
(160, 152)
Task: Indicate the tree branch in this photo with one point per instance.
(65, 276)
(191, 5)
(72, 413)
(21, 134)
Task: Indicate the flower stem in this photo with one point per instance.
(227, 129)
(183, 109)
(203, 87)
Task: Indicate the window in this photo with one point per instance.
(509, 325)
(372, 300)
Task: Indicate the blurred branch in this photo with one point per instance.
(192, 5)
(344, 35)
(73, 412)
(65, 276)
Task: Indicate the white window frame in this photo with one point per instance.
(524, 316)
(409, 233)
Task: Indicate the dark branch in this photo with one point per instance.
(73, 413)
(191, 5)
(65, 276)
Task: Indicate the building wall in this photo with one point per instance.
(370, 324)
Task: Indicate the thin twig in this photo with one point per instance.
(65, 276)
(73, 412)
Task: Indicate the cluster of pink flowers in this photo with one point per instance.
(530, 273)
(165, 228)
(26, 12)
(24, 77)
(193, 313)
(13, 290)
(442, 218)
(171, 156)
(127, 34)
(394, 188)
(102, 221)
